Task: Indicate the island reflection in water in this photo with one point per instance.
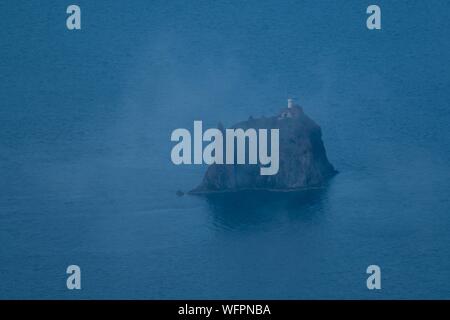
(247, 210)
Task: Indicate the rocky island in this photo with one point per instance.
(303, 161)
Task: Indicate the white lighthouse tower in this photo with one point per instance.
(290, 103)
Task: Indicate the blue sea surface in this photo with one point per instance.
(86, 176)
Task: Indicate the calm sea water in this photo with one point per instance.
(85, 170)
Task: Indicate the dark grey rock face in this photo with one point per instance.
(303, 161)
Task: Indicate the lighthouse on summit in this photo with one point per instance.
(290, 103)
(292, 110)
